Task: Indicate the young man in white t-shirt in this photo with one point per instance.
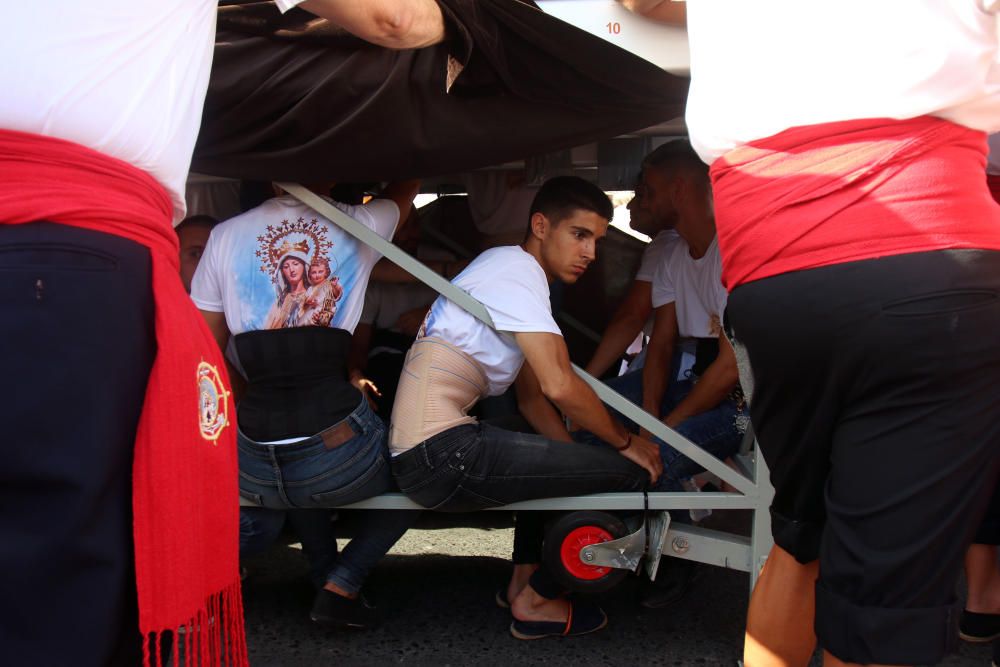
(444, 459)
(688, 301)
(633, 315)
(289, 286)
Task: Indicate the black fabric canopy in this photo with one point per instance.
(294, 98)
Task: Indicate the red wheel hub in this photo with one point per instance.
(577, 539)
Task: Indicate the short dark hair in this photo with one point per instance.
(196, 221)
(560, 197)
(677, 155)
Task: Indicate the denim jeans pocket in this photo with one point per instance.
(428, 486)
(329, 470)
(372, 482)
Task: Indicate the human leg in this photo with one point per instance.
(779, 630)
(78, 345)
(259, 528)
(716, 431)
(529, 535)
(981, 617)
(478, 466)
(347, 463)
(910, 446)
(315, 529)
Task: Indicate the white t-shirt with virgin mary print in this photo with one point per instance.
(282, 265)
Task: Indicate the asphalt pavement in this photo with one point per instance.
(435, 593)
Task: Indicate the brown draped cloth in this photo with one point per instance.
(295, 98)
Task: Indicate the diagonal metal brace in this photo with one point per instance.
(625, 553)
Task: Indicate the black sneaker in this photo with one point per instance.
(336, 611)
(976, 627)
(996, 653)
(674, 580)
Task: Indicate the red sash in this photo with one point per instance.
(839, 192)
(186, 515)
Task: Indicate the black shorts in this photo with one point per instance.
(877, 407)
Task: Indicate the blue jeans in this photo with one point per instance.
(714, 430)
(304, 479)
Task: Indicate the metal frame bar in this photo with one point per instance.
(713, 547)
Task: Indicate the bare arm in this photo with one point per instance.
(402, 194)
(713, 386)
(659, 357)
(625, 325)
(664, 11)
(395, 24)
(357, 359)
(534, 407)
(387, 271)
(220, 331)
(549, 359)
(357, 362)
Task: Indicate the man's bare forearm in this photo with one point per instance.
(544, 419)
(585, 409)
(387, 271)
(711, 389)
(395, 24)
(656, 376)
(625, 325)
(616, 339)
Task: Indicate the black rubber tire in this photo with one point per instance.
(557, 532)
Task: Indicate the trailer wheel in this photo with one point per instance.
(567, 536)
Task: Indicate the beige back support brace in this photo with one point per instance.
(438, 387)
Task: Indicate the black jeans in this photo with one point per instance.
(477, 466)
(78, 345)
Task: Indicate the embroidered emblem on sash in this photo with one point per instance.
(213, 406)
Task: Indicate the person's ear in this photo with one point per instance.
(539, 226)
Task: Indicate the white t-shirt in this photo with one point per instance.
(283, 265)
(127, 79)
(760, 68)
(696, 287)
(513, 287)
(654, 254)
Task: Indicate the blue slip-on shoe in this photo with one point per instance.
(583, 619)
